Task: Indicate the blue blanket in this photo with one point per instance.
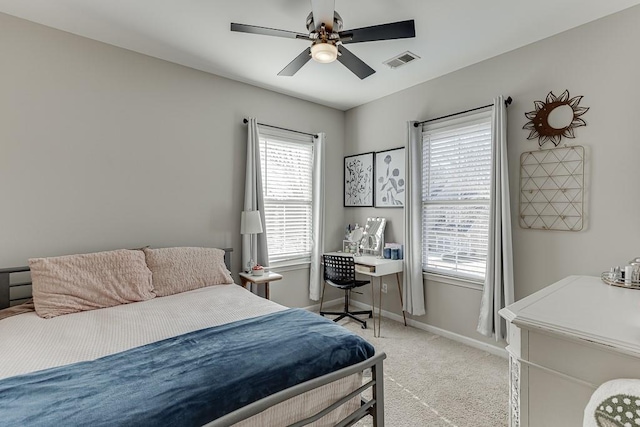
(187, 380)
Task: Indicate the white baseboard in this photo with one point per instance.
(316, 307)
(434, 330)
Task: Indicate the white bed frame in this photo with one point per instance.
(373, 407)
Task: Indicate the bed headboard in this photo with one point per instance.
(23, 289)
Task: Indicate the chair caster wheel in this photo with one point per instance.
(364, 326)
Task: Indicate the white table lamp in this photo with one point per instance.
(251, 223)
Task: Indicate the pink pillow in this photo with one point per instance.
(25, 307)
(73, 283)
(178, 270)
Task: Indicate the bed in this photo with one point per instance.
(208, 356)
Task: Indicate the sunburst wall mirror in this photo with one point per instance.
(554, 118)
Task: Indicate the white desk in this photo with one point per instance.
(377, 267)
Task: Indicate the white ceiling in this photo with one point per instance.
(450, 34)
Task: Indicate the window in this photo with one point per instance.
(287, 180)
(456, 178)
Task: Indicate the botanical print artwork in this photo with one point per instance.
(390, 178)
(358, 180)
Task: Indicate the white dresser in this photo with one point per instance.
(565, 341)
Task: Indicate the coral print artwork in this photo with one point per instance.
(358, 180)
(390, 178)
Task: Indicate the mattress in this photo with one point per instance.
(29, 343)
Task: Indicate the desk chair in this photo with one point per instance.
(340, 272)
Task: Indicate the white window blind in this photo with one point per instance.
(456, 178)
(287, 180)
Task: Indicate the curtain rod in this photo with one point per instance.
(507, 102)
(315, 136)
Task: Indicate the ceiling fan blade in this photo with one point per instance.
(354, 64)
(394, 30)
(243, 28)
(297, 63)
(323, 11)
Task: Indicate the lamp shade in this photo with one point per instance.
(250, 222)
(324, 52)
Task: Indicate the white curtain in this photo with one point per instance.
(254, 199)
(315, 275)
(413, 285)
(498, 287)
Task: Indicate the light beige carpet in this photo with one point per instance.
(434, 381)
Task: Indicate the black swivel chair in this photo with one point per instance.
(340, 272)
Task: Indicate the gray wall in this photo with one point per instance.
(598, 60)
(104, 148)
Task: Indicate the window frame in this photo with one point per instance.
(451, 276)
(294, 138)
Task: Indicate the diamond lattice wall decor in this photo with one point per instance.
(552, 189)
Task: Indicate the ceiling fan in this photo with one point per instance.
(328, 39)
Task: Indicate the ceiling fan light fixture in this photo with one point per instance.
(324, 52)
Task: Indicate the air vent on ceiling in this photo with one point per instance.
(402, 59)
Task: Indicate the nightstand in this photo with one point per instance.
(248, 278)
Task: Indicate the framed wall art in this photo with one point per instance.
(390, 182)
(358, 180)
